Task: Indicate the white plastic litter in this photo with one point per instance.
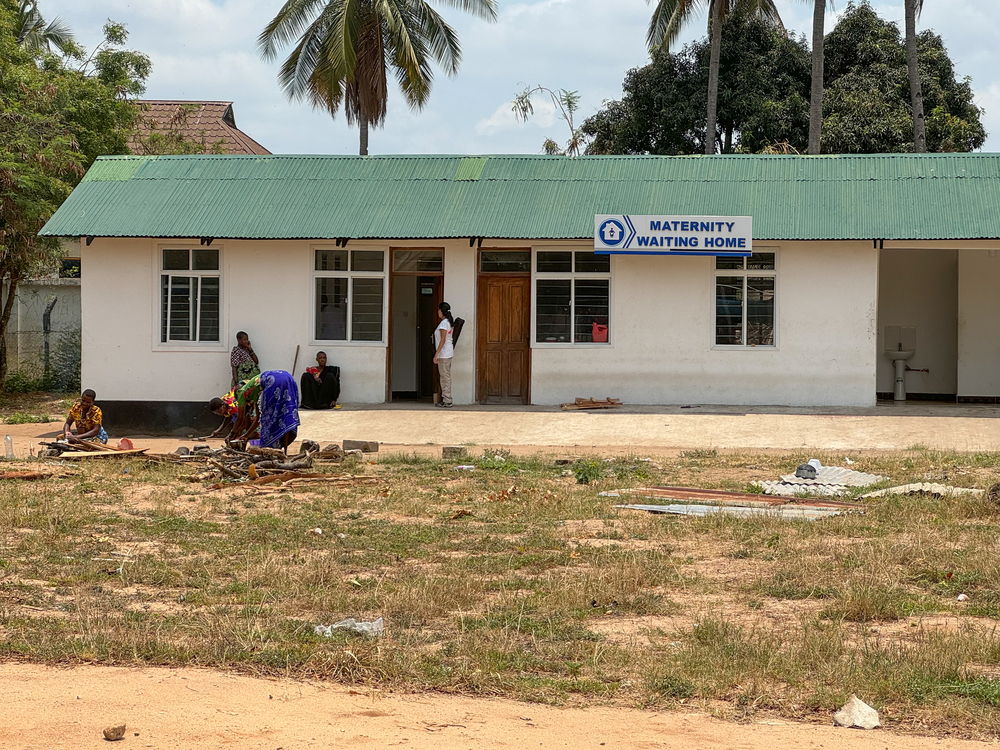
(465, 467)
(963, 597)
(358, 627)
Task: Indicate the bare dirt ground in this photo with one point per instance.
(46, 707)
(170, 709)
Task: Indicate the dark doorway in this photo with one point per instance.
(413, 317)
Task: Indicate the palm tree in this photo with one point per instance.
(37, 36)
(913, 8)
(816, 95)
(345, 48)
(669, 16)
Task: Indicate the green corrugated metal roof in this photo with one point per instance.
(885, 196)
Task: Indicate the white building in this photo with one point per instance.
(853, 255)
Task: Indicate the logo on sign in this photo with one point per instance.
(611, 232)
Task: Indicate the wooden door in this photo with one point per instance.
(503, 364)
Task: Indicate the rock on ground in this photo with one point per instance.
(856, 714)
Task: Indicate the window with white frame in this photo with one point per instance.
(744, 300)
(349, 294)
(572, 297)
(190, 291)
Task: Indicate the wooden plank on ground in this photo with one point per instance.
(592, 403)
(78, 456)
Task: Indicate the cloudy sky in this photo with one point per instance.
(206, 49)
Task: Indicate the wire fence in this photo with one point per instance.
(40, 361)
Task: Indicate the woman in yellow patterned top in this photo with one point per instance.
(88, 419)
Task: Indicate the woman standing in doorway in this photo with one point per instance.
(444, 350)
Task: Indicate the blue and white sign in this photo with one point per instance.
(673, 235)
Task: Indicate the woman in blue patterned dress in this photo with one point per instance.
(267, 410)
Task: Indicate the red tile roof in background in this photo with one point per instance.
(210, 123)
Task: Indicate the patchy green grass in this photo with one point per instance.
(515, 579)
(23, 417)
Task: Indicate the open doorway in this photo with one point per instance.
(416, 289)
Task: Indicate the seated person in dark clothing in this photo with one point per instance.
(320, 385)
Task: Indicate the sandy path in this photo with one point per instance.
(941, 426)
(49, 709)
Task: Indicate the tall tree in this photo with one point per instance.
(344, 50)
(38, 35)
(868, 101)
(816, 88)
(670, 16)
(763, 97)
(912, 9)
(56, 120)
(764, 94)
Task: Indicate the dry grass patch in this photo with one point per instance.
(515, 580)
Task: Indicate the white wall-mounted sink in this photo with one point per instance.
(903, 354)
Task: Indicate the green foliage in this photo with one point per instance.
(37, 35)
(764, 94)
(23, 417)
(58, 114)
(21, 382)
(588, 470)
(867, 101)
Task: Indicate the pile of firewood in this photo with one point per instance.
(230, 466)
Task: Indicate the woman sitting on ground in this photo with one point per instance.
(320, 385)
(267, 411)
(88, 419)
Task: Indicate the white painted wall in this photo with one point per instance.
(661, 329)
(460, 293)
(662, 336)
(919, 288)
(266, 290)
(978, 323)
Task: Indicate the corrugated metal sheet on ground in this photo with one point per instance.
(938, 490)
(855, 197)
(779, 488)
(835, 475)
(785, 512)
(718, 497)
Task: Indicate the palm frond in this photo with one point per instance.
(286, 26)
(407, 49)
(441, 38)
(482, 8)
(59, 35)
(765, 9)
(669, 16)
(296, 72)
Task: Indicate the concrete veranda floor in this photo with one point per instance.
(882, 427)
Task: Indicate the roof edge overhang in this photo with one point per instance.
(588, 238)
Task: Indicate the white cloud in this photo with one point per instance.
(207, 49)
(503, 119)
